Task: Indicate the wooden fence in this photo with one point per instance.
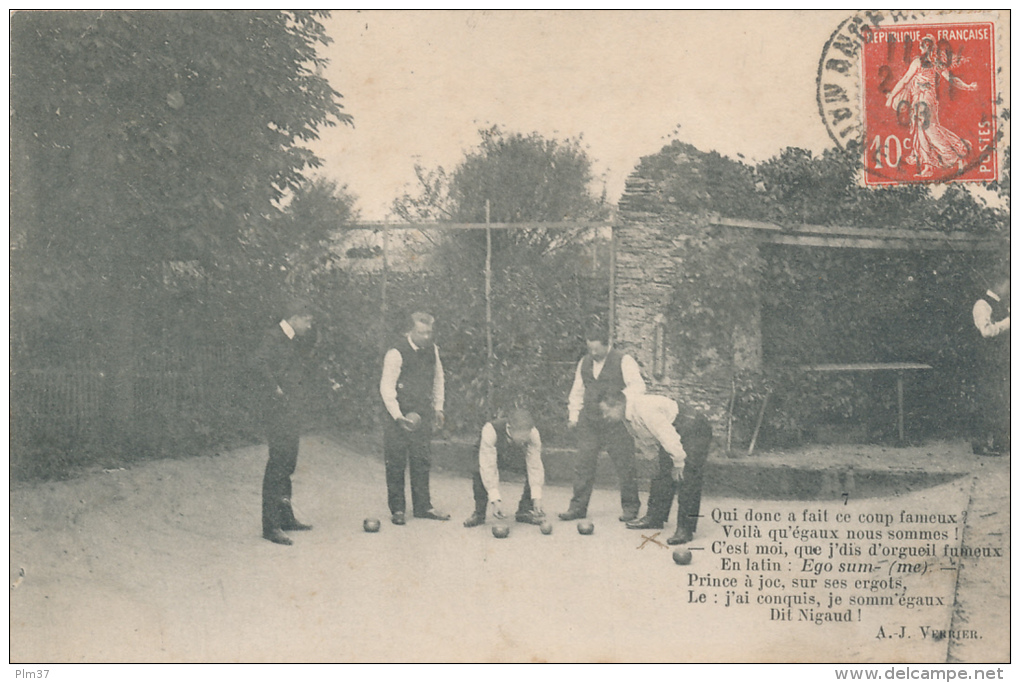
(56, 396)
(64, 412)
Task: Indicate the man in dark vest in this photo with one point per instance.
(679, 438)
(991, 318)
(280, 368)
(602, 371)
(413, 390)
(510, 444)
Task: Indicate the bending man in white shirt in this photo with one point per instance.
(683, 438)
(510, 444)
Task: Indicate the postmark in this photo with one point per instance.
(914, 94)
(838, 81)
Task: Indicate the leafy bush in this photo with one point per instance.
(539, 309)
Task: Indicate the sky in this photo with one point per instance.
(420, 84)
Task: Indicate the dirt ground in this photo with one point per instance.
(163, 562)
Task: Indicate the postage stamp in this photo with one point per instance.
(916, 92)
(929, 103)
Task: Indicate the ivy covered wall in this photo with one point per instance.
(718, 318)
(697, 282)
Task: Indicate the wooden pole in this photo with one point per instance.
(757, 427)
(488, 308)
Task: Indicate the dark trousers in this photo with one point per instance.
(593, 437)
(482, 496)
(283, 438)
(403, 450)
(696, 437)
(993, 403)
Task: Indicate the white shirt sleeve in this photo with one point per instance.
(983, 320)
(487, 462)
(392, 363)
(533, 459)
(575, 400)
(438, 386)
(657, 417)
(632, 380)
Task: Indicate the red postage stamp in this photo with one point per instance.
(929, 103)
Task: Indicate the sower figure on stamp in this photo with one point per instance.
(413, 390)
(280, 361)
(933, 146)
(603, 371)
(682, 437)
(509, 444)
(991, 318)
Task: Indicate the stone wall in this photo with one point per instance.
(652, 247)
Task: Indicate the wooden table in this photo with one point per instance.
(898, 368)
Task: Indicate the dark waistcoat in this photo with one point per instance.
(610, 380)
(417, 378)
(996, 349)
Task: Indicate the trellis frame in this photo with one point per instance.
(385, 227)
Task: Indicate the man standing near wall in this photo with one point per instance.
(602, 371)
(413, 390)
(280, 365)
(991, 318)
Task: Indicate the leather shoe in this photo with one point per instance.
(474, 520)
(645, 522)
(398, 519)
(296, 526)
(571, 515)
(680, 537)
(530, 517)
(628, 516)
(277, 536)
(433, 514)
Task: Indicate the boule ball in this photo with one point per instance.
(411, 422)
(585, 528)
(500, 530)
(371, 525)
(546, 528)
(682, 556)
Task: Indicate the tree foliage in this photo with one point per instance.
(432, 202)
(151, 153)
(522, 179)
(546, 283)
(162, 134)
(796, 186)
(312, 222)
(687, 179)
